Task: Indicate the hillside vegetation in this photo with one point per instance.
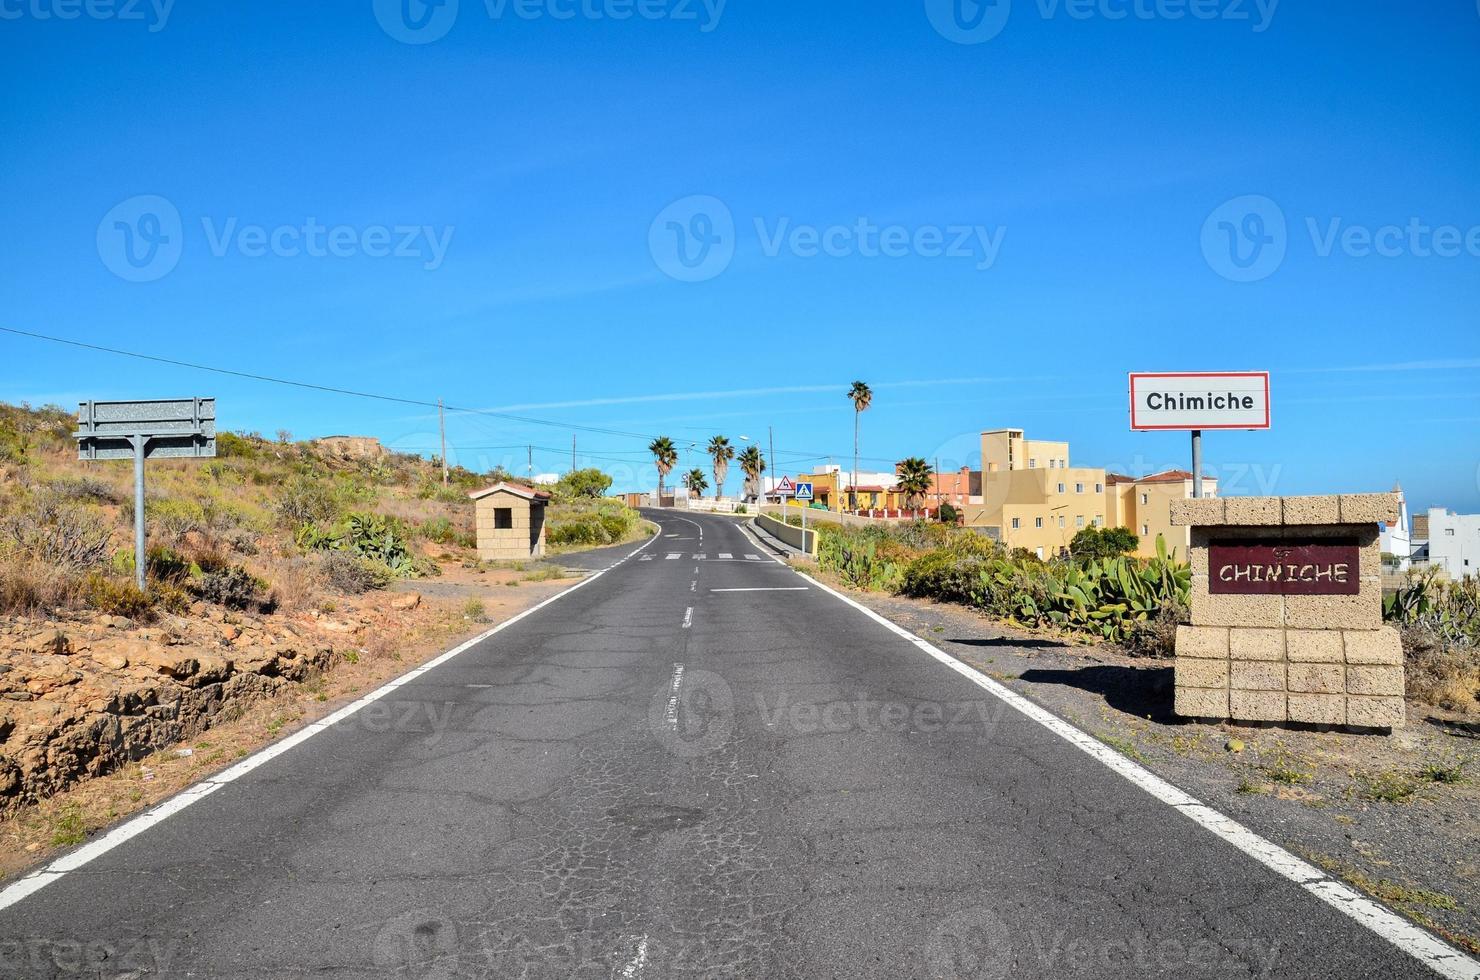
(266, 524)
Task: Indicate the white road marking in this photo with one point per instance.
(670, 714)
(634, 967)
(801, 588)
(670, 535)
(480, 685)
(688, 617)
(725, 554)
(700, 557)
(131, 828)
(693, 586)
(752, 557)
(674, 556)
(1433, 952)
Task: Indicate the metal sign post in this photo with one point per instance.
(181, 428)
(804, 493)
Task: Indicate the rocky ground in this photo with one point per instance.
(1397, 816)
(101, 716)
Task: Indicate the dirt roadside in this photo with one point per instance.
(374, 638)
(1396, 816)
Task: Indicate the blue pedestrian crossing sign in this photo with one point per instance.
(804, 491)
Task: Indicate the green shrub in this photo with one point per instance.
(304, 501)
(352, 574)
(234, 588)
(116, 598)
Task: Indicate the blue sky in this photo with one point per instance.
(493, 218)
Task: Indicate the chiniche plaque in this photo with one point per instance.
(1326, 567)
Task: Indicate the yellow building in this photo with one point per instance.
(1036, 500)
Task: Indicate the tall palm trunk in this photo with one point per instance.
(853, 487)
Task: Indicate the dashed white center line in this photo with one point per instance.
(725, 554)
(693, 586)
(673, 556)
(670, 714)
(688, 617)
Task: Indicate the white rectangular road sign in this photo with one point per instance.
(1200, 400)
(804, 491)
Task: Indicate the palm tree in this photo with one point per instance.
(721, 452)
(696, 481)
(666, 457)
(861, 396)
(914, 480)
(752, 464)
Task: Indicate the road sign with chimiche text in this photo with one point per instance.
(1200, 400)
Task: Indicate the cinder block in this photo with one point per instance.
(1369, 508)
(1197, 702)
(1318, 709)
(1362, 611)
(1316, 678)
(1256, 644)
(1380, 681)
(1311, 510)
(1371, 712)
(1234, 610)
(1382, 646)
(1253, 511)
(1254, 675)
(1314, 646)
(1201, 511)
(1201, 673)
(1257, 705)
(1205, 642)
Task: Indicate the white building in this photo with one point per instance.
(1397, 539)
(1454, 542)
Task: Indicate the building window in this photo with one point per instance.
(1098, 520)
(1449, 532)
(1061, 488)
(1099, 488)
(1145, 498)
(1052, 463)
(1061, 520)
(1079, 521)
(1145, 530)
(1079, 488)
(1017, 522)
(1037, 522)
(1032, 464)
(503, 518)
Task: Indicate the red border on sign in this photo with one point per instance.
(1197, 374)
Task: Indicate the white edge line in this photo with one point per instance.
(1428, 949)
(36, 880)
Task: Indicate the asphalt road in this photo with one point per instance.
(668, 773)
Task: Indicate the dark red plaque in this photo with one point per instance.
(1324, 567)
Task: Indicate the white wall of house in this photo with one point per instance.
(1397, 539)
(1454, 542)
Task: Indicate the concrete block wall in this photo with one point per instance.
(522, 541)
(1309, 659)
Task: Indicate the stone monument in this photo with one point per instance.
(1287, 612)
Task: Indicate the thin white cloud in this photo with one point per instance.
(1453, 364)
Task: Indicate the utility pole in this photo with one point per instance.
(937, 487)
(531, 462)
(442, 427)
(771, 442)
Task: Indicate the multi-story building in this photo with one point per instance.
(1397, 538)
(1035, 499)
(1454, 543)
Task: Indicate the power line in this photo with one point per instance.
(331, 389)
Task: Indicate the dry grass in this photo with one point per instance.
(1442, 674)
